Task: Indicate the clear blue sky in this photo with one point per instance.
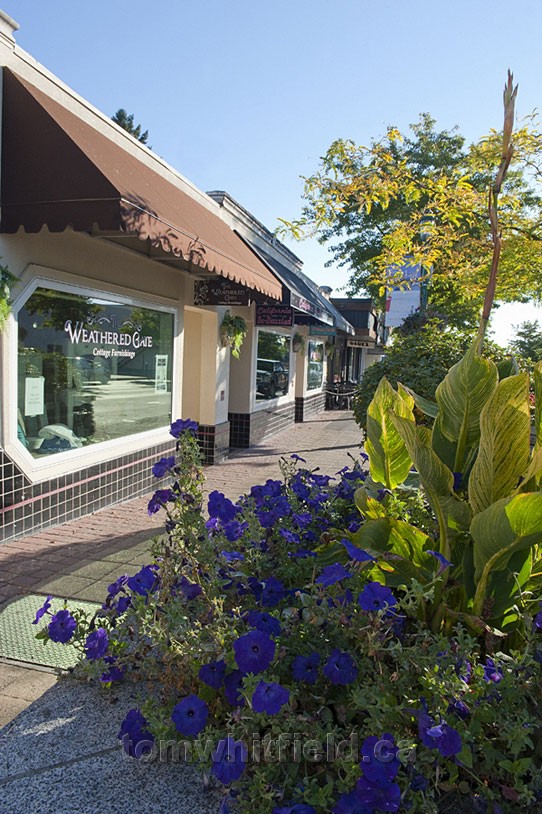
(246, 95)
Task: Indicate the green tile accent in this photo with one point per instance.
(17, 633)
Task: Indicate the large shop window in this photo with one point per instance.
(90, 370)
(315, 361)
(273, 365)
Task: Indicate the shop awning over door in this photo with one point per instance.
(59, 171)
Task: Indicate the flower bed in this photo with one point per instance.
(280, 656)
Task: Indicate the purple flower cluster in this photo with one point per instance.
(376, 790)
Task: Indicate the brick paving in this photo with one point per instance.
(79, 559)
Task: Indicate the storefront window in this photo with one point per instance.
(90, 370)
(315, 361)
(273, 365)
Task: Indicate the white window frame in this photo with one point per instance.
(61, 463)
(279, 400)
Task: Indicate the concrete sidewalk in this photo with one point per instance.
(78, 560)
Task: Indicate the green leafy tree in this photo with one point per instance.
(528, 341)
(422, 198)
(126, 121)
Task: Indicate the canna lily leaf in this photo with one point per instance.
(503, 455)
(508, 526)
(460, 398)
(389, 461)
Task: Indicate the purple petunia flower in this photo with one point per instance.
(183, 425)
(273, 592)
(159, 499)
(134, 735)
(295, 808)
(233, 530)
(188, 589)
(351, 803)
(269, 698)
(443, 562)
(233, 684)
(232, 556)
(229, 760)
(163, 466)
(96, 644)
(117, 586)
(376, 597)
(302, 519)
(113, 672)
(190, 715)
(123, 603)
(213, 673)
(144, 581)
(340, 668)
(218, 505)
(43, 610)
(378, 797)
(459, 708)
(305, 668)
(379, 759)
(254, 651)
(265, 622)
(332, 574)
(439, 736)
(61, 627)
(290, 536)
(355, 553)
(492, 672)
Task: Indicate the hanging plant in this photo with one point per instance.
(298, 343)
(232, 333)
(330, 350)
(6, 281)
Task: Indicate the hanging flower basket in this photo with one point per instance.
(232, 333)
(330, 350)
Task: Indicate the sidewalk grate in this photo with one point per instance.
(17, 633)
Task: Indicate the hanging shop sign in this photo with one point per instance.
(220, 292)
(322, 330)
(276, 315)
(359, 343)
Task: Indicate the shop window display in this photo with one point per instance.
(273, 365)
(90, 370)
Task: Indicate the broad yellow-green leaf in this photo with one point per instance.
(460, 398)
(504, 449)
(368, 506)
(508, 526)
(437, 480)
(429, 408)
(389, 461)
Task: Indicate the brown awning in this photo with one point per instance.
(59, 171)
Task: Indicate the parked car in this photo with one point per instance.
(271, 378)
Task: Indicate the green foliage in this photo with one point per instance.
(419, 360)
(528, 341)
(6, 281)
(232, 333)
(480, 477)
(423, 195)
(126, 121)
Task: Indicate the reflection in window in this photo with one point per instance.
(315, 361)
(273, 365)
(90, 370)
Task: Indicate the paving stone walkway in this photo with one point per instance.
(78, 560)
